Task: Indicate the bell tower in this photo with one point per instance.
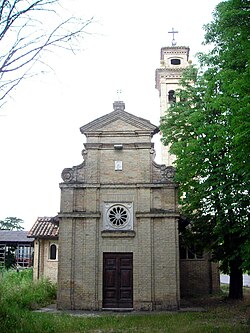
(173, 60)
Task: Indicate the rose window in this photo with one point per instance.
(118, 216)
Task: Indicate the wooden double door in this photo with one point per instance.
(118, 280)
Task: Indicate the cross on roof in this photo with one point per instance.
(173, 32)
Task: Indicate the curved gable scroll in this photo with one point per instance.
(163, 173)
(74, 174)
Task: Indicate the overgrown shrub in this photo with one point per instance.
(18, 292)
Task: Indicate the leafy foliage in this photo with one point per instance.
(18, 294)
(208, 129)
(11, 223)
(21, 291)
(230, 57)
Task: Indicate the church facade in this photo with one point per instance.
(118, 244)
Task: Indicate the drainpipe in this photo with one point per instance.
(38, 261)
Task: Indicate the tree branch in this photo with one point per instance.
(24, 38)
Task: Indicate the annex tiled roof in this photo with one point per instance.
(45, 227)
(9, 236)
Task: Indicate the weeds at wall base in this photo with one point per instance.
(19, 295)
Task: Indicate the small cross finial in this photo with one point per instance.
(173, 32)
(118, 92)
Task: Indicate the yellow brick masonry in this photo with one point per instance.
(153, 240)
(44, 267)
(156, 273)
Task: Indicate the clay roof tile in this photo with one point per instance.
(45, 227)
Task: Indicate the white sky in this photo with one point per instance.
(39, 134)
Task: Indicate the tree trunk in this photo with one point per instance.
(236, 280)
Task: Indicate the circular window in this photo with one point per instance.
(118, 216)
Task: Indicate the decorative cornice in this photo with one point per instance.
(175, 50)
(73, 215)
(178, 70)
(82, 185)
(163, 214)
(110, 146)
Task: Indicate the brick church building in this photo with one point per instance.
(117, 233)
(118, 244)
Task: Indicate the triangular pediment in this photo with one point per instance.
(119, 121)
(119, 125)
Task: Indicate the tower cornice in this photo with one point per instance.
(174, 50)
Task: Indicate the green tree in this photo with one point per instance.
(11, 223)
(205, 130)
(229, 33)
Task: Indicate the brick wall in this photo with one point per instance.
(83, 242)
(44, 267)
(198, 277)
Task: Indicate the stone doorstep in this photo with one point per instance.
(122, 311)
(118, 309)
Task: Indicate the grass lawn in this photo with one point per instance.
(16, 315)
(220, 316)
